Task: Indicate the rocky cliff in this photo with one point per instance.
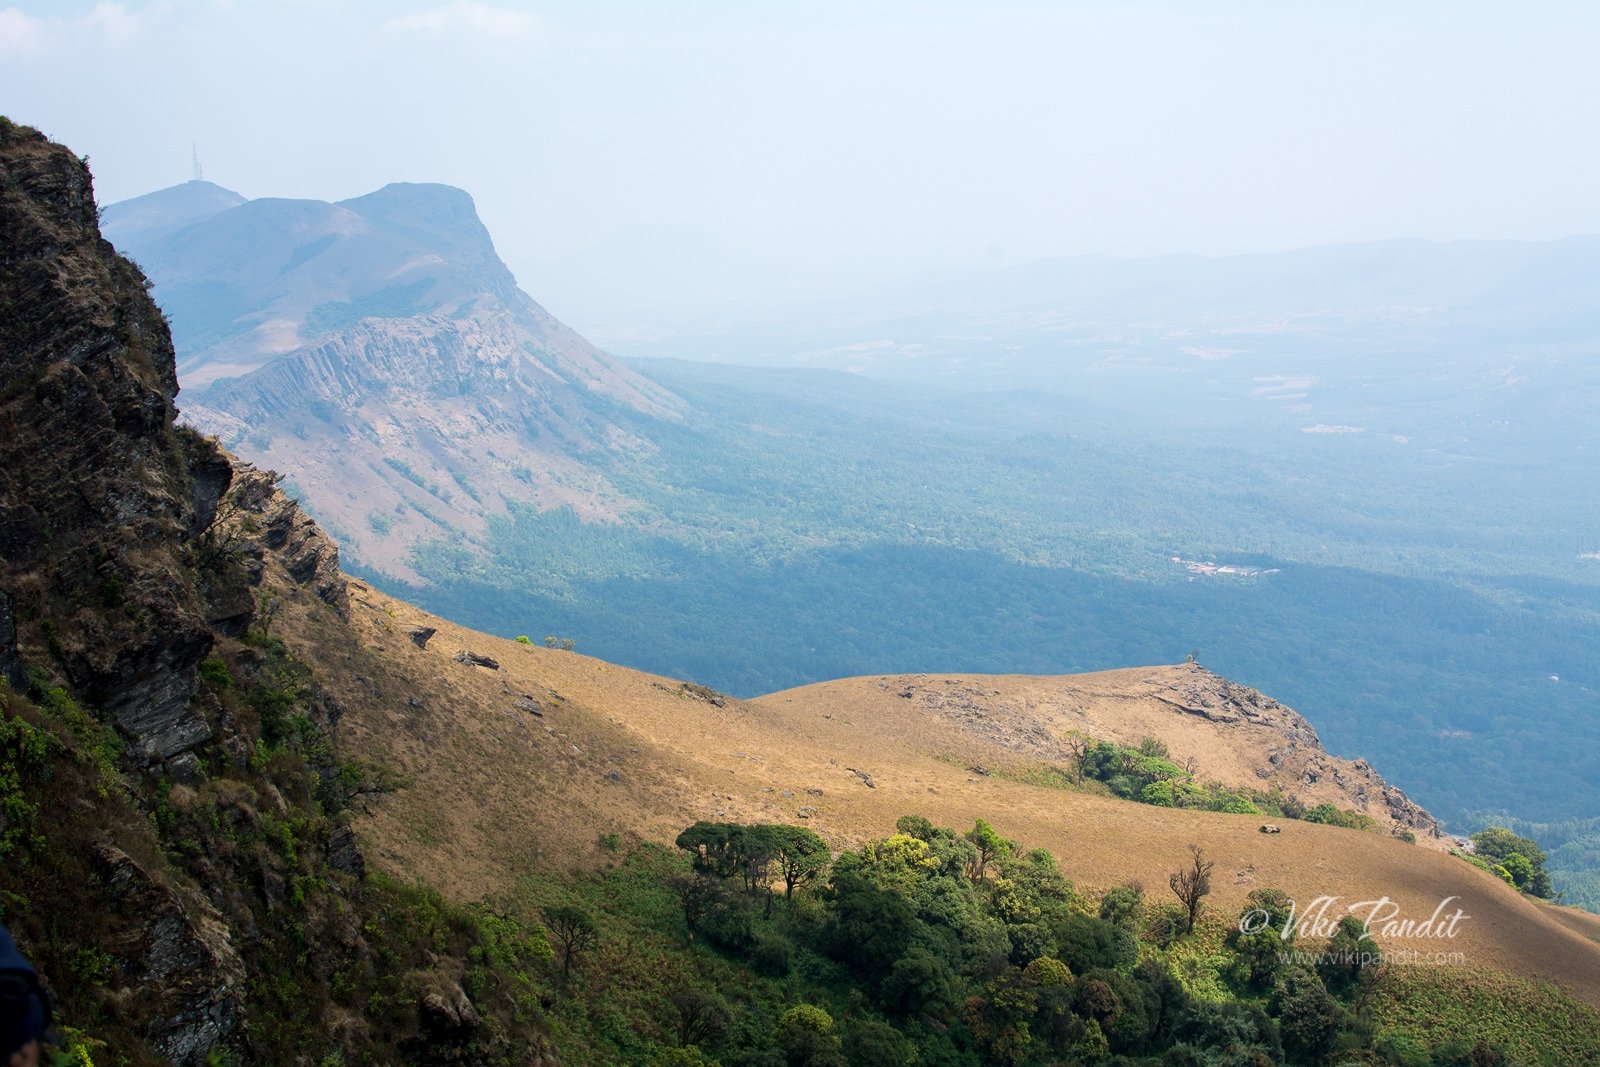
(174, 824)
(97, 498)
(379, 353)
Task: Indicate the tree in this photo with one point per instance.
(801, 856)
(1192, 884)
(1520, 870)
(714, 847)
(920, 983)
(1077, 747)
(990, 845)
(806, 1037)
(1264, 932)
(698, 894)
(1521, 857)
(1308, 1016)
(999, 1017)
(870, 927)
(915, 826)
(702, 1016)
(1351, 959)
(1121, 904)
(877, 1043)
(1154, 746)
(756, 847)
(573, 931)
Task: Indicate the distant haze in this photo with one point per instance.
(637, 162)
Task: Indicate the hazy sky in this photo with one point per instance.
(637, 156)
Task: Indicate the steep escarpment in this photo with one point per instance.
(178, 858)
(379, 353)
(97, 501)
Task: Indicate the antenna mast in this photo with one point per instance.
(199, 175)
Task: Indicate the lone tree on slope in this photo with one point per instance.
(573, 930)
(1192, 884)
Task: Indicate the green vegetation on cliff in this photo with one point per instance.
(232, 907)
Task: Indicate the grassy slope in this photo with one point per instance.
(498, 794)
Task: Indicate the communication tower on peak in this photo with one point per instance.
(199, 174)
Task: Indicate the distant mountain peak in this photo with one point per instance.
(450, 202)
(381, 343)
(156, 215)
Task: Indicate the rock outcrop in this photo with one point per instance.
(261, 518)
(1236, 734)
(177, 952)
(97, 502)
(10, 661)
(1298, 761)
(192, 888)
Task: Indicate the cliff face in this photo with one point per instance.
(1288, 755)
(97, 498)
(175, 847)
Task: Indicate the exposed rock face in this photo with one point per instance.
(10, 661)
(380, 354)
(1267, 744)
(1300, 756)
(130, 551)
(96, 497)
(344, 854)
(447, 1013)
(264, 519)
(178, 952)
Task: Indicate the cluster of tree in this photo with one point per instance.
(1572, 847)
(1148, 774)
(938, 947)
(1332, 816)
(1517, 859)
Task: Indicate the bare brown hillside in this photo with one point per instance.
(523, 765)
(1221, 731)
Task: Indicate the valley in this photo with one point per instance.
(494, 788)
(824, 535)
(752, 528)
(258, 810)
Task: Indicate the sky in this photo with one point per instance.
(646, 160)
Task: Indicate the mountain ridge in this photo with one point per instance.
(375, 350)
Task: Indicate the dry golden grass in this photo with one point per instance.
(498, 793)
